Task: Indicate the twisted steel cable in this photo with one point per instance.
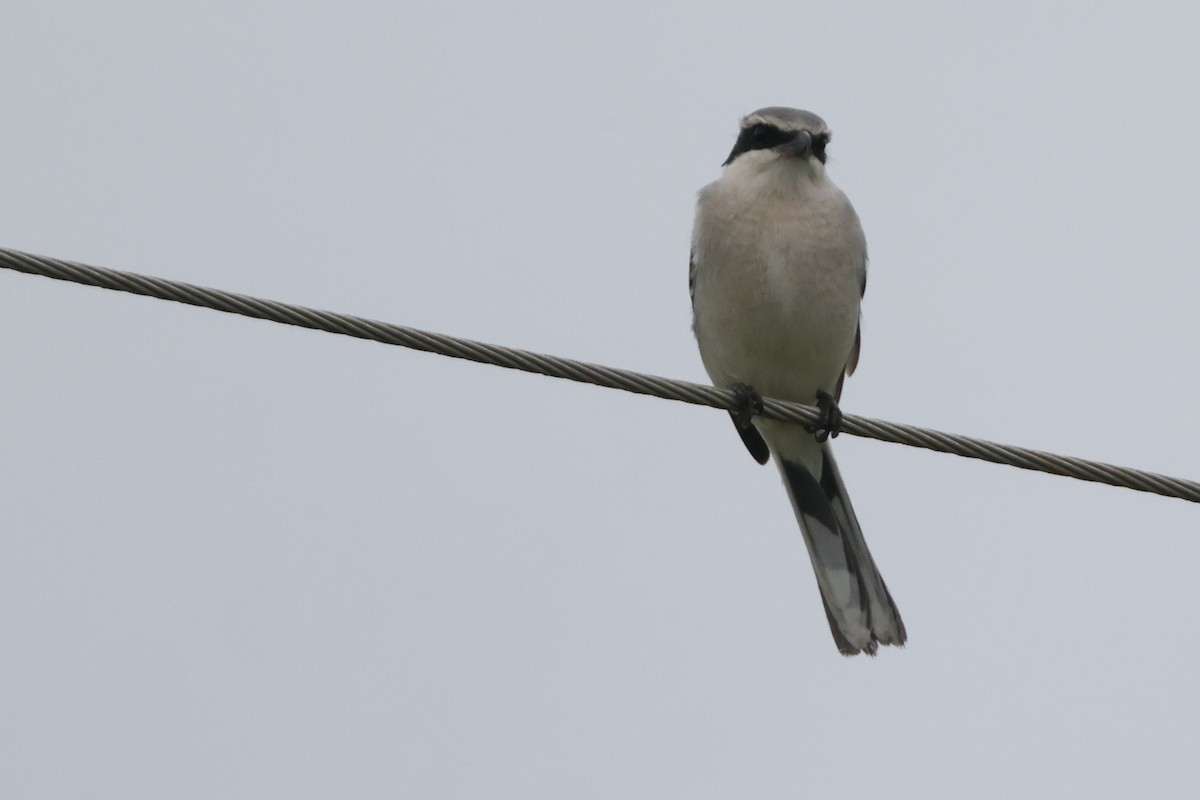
(583, 372)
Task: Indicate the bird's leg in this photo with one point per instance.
(750, 403)
(830, 421)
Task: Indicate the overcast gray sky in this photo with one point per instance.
(244, 560)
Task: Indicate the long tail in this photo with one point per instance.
(861, 612)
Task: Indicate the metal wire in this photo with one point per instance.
(570, 369)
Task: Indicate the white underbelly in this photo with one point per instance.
(777, 287)
(784, 325)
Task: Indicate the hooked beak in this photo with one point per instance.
(800, 147)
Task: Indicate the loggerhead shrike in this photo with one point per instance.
(778, 270)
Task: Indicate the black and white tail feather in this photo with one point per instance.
(861, 612)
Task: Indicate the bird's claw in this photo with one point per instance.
(830, 422)
(750, 404)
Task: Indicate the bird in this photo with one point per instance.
(777, 274)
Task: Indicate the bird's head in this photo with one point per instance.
(778, 135)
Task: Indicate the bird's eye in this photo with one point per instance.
(761, 132)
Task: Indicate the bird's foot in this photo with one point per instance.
(749, 404)
(830, 422)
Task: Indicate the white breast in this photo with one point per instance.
(779, 263)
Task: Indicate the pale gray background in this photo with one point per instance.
(243, 560)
